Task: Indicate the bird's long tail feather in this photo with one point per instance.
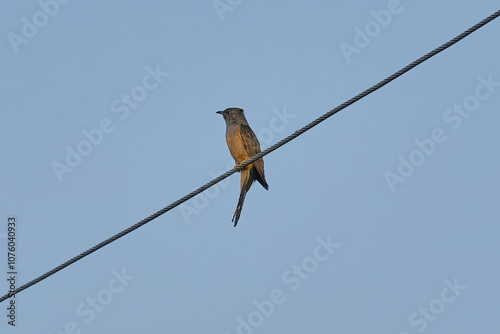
(246, 182)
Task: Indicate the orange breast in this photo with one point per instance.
(236, 147)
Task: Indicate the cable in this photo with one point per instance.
(260, 155)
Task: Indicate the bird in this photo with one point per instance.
(243, 144)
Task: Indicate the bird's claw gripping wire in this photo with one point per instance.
(238, 168)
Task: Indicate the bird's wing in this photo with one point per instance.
(250, 141)
(252, 146)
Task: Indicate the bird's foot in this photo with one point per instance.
(238, 168)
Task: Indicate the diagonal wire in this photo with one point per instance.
(258, 156)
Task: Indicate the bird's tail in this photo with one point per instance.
(246, 182)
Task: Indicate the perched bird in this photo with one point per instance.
(243, 144)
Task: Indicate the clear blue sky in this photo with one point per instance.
(383, 219)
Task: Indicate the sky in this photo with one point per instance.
(382, 219)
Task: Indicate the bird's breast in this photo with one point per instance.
(236, 146)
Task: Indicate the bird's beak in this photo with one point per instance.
(218, 112)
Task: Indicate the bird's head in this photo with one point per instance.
(232, 114)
